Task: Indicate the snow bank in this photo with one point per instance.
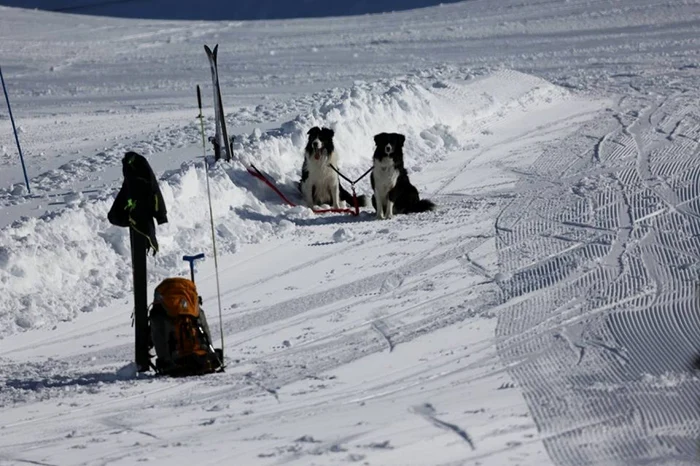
(55, 267)
(436, 116)
(356, 115)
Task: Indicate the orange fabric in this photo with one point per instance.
(188, 339)
(178, 296)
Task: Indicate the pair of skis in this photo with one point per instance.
(223, 147)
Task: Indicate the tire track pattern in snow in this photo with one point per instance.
(602, 289)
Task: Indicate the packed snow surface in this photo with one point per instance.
(545, 313)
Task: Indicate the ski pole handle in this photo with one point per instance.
(199, 99)
(191, 259)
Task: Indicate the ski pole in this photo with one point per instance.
(14, 129)
(211, 217)
(191, 260)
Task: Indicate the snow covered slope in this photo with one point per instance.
(544, 314)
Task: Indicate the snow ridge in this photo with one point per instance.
(61, 264)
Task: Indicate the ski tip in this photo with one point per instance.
(211, 53)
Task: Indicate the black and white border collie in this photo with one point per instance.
(319, 182)
(393, 191)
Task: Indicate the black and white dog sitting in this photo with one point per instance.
(319, 182)
(393, 191)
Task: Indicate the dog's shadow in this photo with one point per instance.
(330, 218)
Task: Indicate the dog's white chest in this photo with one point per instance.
(320, 169)
(385, 175)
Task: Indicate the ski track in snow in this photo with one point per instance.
(546, 313)
(616, 307)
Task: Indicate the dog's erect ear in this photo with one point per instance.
(400, 138)
(315, 129)
(328, 132)
(378, 138)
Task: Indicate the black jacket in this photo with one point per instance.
(139, 200)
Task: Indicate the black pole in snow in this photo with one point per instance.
(138, 265)
(138, 203)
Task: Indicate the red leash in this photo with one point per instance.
(256, 173)
(253, 170)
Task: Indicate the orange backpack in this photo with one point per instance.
(179, 330)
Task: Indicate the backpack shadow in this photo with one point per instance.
(67, 381)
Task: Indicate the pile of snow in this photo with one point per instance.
(343, 234)
(430, 122)
(54, 267)
(436, 117)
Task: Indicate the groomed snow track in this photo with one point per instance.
(601, 248)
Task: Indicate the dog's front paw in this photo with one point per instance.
(380, 216)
